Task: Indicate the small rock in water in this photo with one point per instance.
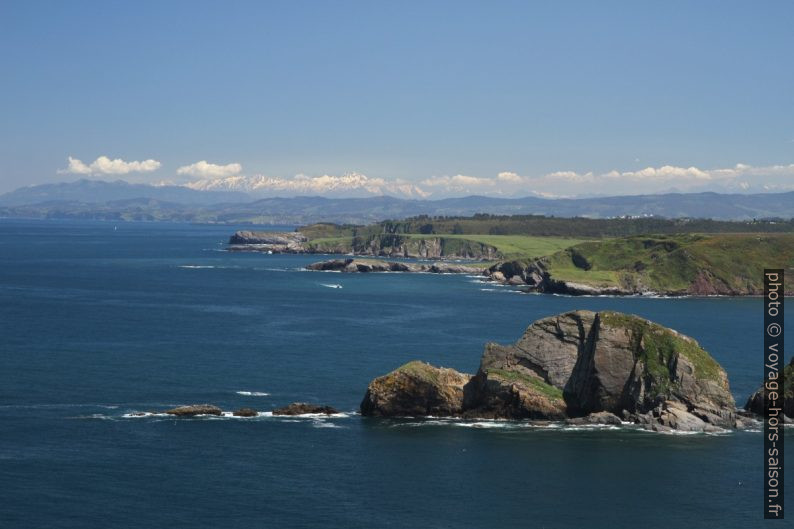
(303, 408)
(195, 409)
(245, 412)
(601, 417)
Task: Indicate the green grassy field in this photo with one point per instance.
(514, 246)
(509, 246)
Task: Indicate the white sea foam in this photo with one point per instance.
(98, 416)
(230, 415)
(252, 393)
(144, 415)
(540, 426)
(340, 415)
(331, 285)
(323, 424)
(196, 267)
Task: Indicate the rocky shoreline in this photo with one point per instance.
(351, 265)
(530, 279)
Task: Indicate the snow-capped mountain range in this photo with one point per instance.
(348, 185)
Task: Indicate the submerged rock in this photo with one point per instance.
(583, 365)
(416, 389)
(303, 408)
(195, 409)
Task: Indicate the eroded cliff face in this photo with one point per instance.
(390, 245)
(583, 363)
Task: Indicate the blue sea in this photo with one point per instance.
(101, 320)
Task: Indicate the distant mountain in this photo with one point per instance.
(98, 191)
(123, 201)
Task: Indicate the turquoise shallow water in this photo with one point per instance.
(98, 321)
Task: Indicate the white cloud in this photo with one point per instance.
(460, 184)
(507, 176)
(739, 178)
(105, 166)
(204, 169)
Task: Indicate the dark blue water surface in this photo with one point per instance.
(97, 321)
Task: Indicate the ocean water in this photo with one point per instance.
(98, 321)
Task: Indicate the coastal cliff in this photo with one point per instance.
(578, 366)
(378, 245)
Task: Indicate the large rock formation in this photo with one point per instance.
(755, 403)
(416, 389)
(573, 365)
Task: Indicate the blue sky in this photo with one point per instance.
(437, 98)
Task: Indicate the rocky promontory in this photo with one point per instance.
(268, 241)
(582, 366)
(534, 276)
(351, 265)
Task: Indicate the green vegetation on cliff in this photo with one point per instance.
(420, 370)
(658, 346)
(703, 264)
(577, 227)
(536, 383)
